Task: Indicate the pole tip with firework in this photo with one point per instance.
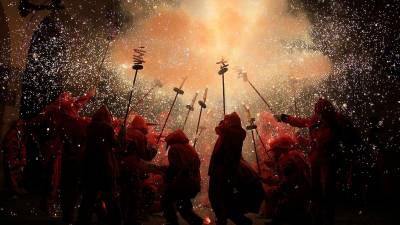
(190, 108)
(222, 70)
(242, 74)
(252, 125)
(137, 65)
(203, 105)
(138, 58)
(178, 91)
(202, 102)
(223, 66)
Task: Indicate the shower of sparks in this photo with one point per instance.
(187, 39)
(272, 41)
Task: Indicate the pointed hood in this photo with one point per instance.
(232, 120)
(139, 123)
(177, 137)
(231, 126)
(324, 106)
(102, 115)
(281, 145)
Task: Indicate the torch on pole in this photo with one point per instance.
(137, 65)
(190, 108)
(178, 91)
(251, 127)
(203, 105)
(222, 70)
(243, 75)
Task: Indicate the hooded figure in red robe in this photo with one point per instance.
(71, 129)
(100, 169)
(331, 137)
(73, 138)
(64, 148)
(137, 149)
(292, 195)
(182, 180)
(235, 188)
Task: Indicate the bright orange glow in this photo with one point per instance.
(189, 39)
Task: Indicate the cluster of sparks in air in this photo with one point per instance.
(186, 39)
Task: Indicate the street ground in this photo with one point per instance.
(25, 211)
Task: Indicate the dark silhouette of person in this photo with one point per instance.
(291, 196)
(100, 170)
(182, 180)
(333, 140)
(235, 188)
(138, 148)
(71, 129)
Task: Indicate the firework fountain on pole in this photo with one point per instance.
(190, 108)
(137, 65)
(243, 75)
(203, 105)
(222, 70)
(251, 127)
(178, 91)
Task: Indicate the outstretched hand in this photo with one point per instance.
(281, 117)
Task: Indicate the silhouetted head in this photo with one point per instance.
(139, 123)
(324, 109)
(177, 137)
(102, 115)
(281, 145)
(232, 120)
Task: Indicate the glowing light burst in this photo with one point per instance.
(186, 40)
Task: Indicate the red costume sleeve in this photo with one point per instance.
(299, 122)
